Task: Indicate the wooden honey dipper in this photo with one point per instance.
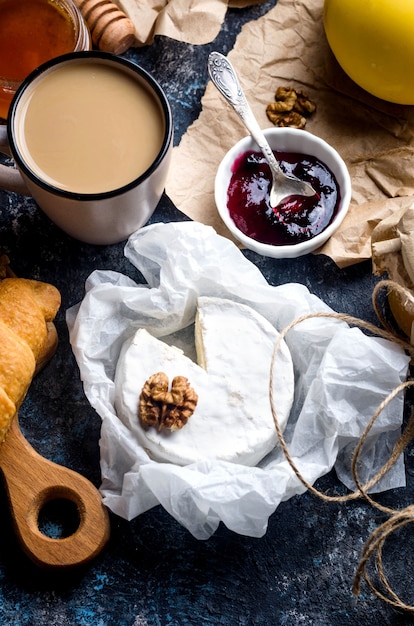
(111, 29)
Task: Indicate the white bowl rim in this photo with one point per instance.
(325, 153)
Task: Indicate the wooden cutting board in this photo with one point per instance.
(32, 481)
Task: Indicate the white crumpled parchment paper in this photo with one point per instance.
(342, 376)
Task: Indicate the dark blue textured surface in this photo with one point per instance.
(153, 572)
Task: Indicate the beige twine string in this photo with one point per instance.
(398, 519)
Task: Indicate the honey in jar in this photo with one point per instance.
(32, 32)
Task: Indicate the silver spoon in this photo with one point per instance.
(225, 79)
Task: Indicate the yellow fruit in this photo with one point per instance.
(373, 41)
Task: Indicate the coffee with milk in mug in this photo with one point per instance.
(88, 128)
(91, 135)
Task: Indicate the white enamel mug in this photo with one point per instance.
(101, 216)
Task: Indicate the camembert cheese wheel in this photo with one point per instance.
(232, 420)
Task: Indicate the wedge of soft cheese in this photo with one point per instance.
(233, 419)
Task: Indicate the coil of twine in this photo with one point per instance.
(373, 549)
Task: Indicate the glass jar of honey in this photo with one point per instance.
(32, 32)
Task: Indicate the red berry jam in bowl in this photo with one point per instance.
(298, 225)
(297, 218)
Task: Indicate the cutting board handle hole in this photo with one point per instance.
(58, 518)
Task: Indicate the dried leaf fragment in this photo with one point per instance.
(5, 270)
(291, 108)
(161, 407)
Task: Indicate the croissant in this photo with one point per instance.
(28, 339)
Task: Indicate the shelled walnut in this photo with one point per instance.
(291, 108)
(162, 407)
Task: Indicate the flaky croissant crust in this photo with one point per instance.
(27, 339)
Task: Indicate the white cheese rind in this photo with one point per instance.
(233, 420)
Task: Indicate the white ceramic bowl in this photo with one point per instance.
(285, 140)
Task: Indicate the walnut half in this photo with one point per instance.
(162, 407)
(291, 108)
(289, 119)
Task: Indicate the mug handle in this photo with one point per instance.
(10, 178)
